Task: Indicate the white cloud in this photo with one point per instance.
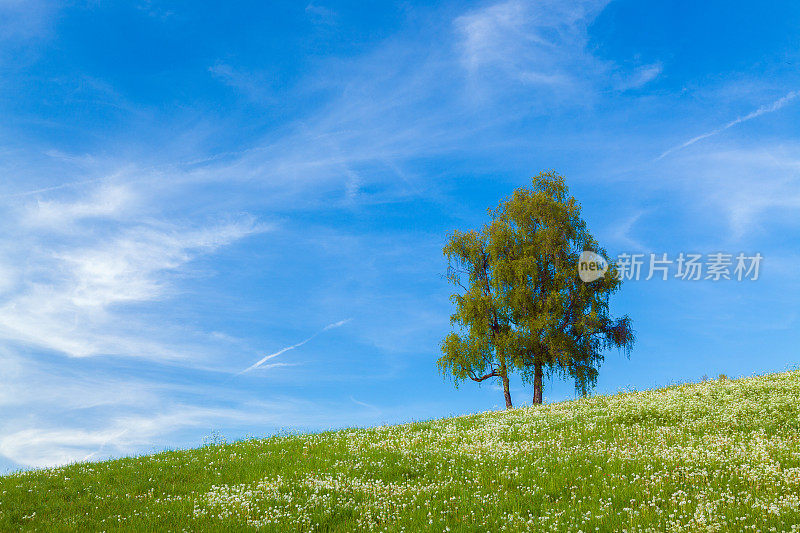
(620, 233)
(106, 201)
(641, 77)
(752, 185)
(41, 447)
(81, 261)
(9, 277)
(751, 190)
(48, 444)
(537, 43)
(253, 85)
(126, 268)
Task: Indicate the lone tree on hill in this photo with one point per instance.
(520, 305)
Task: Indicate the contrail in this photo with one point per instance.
(335, 325)
(53, 188)
(292, 347)
(774, 106)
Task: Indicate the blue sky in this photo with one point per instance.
(187, 188)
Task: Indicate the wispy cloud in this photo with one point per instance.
(255, 86)
(621, 233)
(756, 189)
(533, 43)
(641, 77)
(763, 110)
(40, 446)
(260, 362)
(104, 202)
(58, 442)
(80, 262)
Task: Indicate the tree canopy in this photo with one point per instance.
(520, 306)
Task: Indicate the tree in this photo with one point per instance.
(522, 306)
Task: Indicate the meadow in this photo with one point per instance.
(720, 455)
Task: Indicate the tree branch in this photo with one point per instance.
(494, 373)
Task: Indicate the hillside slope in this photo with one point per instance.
(715, 456)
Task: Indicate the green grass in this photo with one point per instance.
(715, 456)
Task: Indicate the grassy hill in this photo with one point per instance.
(715, 456)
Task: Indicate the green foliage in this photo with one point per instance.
(521, 306)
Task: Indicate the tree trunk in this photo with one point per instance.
(537, 384)
(507, 392)
(506, 389)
